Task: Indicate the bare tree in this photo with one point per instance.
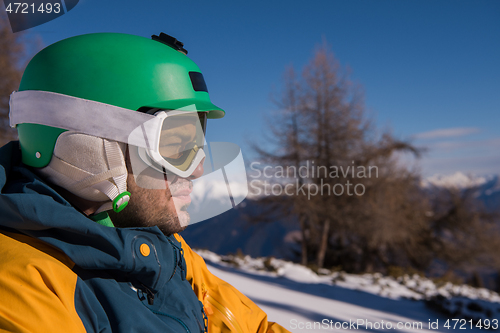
(334, 108)
(288, 136)
(344, 137)
(321, 122)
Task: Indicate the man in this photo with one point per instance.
(109, 123)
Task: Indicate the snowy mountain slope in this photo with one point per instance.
(231, 231)
(489, 194)
(295, 297)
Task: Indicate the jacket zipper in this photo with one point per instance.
(175, 258)
(179, 260)
(225, 312)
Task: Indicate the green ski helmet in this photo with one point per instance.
(125, 71)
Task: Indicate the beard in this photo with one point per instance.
(163, 203)
(168, 223)
(139, 213)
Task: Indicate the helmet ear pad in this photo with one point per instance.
(90, 167)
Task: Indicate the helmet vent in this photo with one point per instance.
(170, 41)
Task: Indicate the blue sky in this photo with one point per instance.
(430, 69)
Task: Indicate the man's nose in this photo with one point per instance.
(198, 172)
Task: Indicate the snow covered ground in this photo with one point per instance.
(303, 301)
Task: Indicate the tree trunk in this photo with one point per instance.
(323, 244)
(303, 252)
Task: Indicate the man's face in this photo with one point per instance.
(159, 200)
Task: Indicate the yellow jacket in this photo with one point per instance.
(227, 309)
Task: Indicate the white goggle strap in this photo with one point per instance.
(77, 114)
(92, 118)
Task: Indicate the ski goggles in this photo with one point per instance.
(171, 142)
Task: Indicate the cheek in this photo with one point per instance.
(149, 180)
(147, 198)
(159, 199)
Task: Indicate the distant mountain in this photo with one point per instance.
(232, 230)
(457, 180)
(487, 187)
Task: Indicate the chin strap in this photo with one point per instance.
(116, 190)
